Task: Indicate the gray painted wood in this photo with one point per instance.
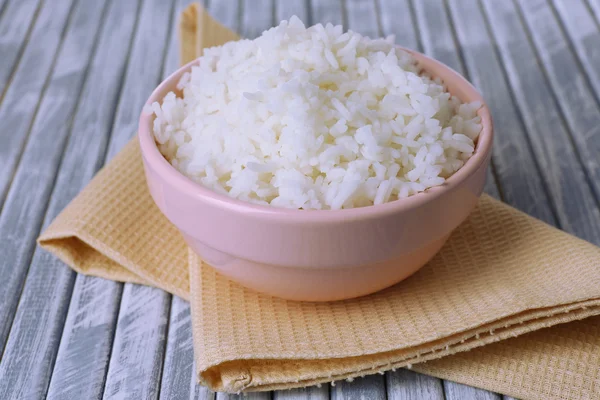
(569, 83)
(361, 17)
(284, 9)
(23, 211)
(138, 349)
(310, 393)
(178, 377)
(21, 98)
(370, 387)
(30, 351)
(199, 392)
(404, 384)
(96, 304)
(87, 337)
(457, 391)
(227, 12)
(516, 166)
(396, 18)
(595, 7)
(584, 33)
(136, 361)
(17, 22)
(257, 16)
(325, 11)
(244, 396)
(563, 174)
(438, 40)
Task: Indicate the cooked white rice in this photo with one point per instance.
(314, 119)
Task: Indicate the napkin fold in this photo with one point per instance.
(510, 304)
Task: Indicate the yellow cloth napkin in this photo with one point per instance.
(502, 274)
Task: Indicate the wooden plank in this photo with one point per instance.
(257, 16)
(136, 361)
(395, 17)
(227, 12)
(325, 11)
(403, 384)
(570, 84)
(20, 101)
(31, 348)
(88, 332)
(457, 391)
(595, 6)
(138, 349)
(309, 393)
(178, 365)
(584, 33)
(243, 396)
(439, 41)
(18, 19)
(437, 36)
(178, 377)
(516, 167)
(199, 392)
(370, 387)
(361, 17)
(284, 9)
(23, 212)
(564, 176)
(171, 63)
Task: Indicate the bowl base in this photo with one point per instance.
(318, 284)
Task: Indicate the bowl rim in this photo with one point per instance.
(160, 165)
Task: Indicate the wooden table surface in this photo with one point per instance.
(73, 77)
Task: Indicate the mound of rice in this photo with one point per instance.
(314, 118)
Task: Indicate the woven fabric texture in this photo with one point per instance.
(509, 304)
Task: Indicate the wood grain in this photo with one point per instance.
(18, 19)
(136, 361)
(227, 12)
(569, 83)
(138, 349)
(457, 391)
(438, 38)
(178, 377)
(21, 98)
(404, 384)
(257, 16)
(309, 393)
(396, 18)
(558, 161)
(516, 167)
(82, 359)
(536, 63)
(31, 348)
(325, 11)
(284, 9)
(25, 205)
(584, 33)
(370, 387)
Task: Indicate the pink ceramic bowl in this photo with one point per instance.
(317, 255)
